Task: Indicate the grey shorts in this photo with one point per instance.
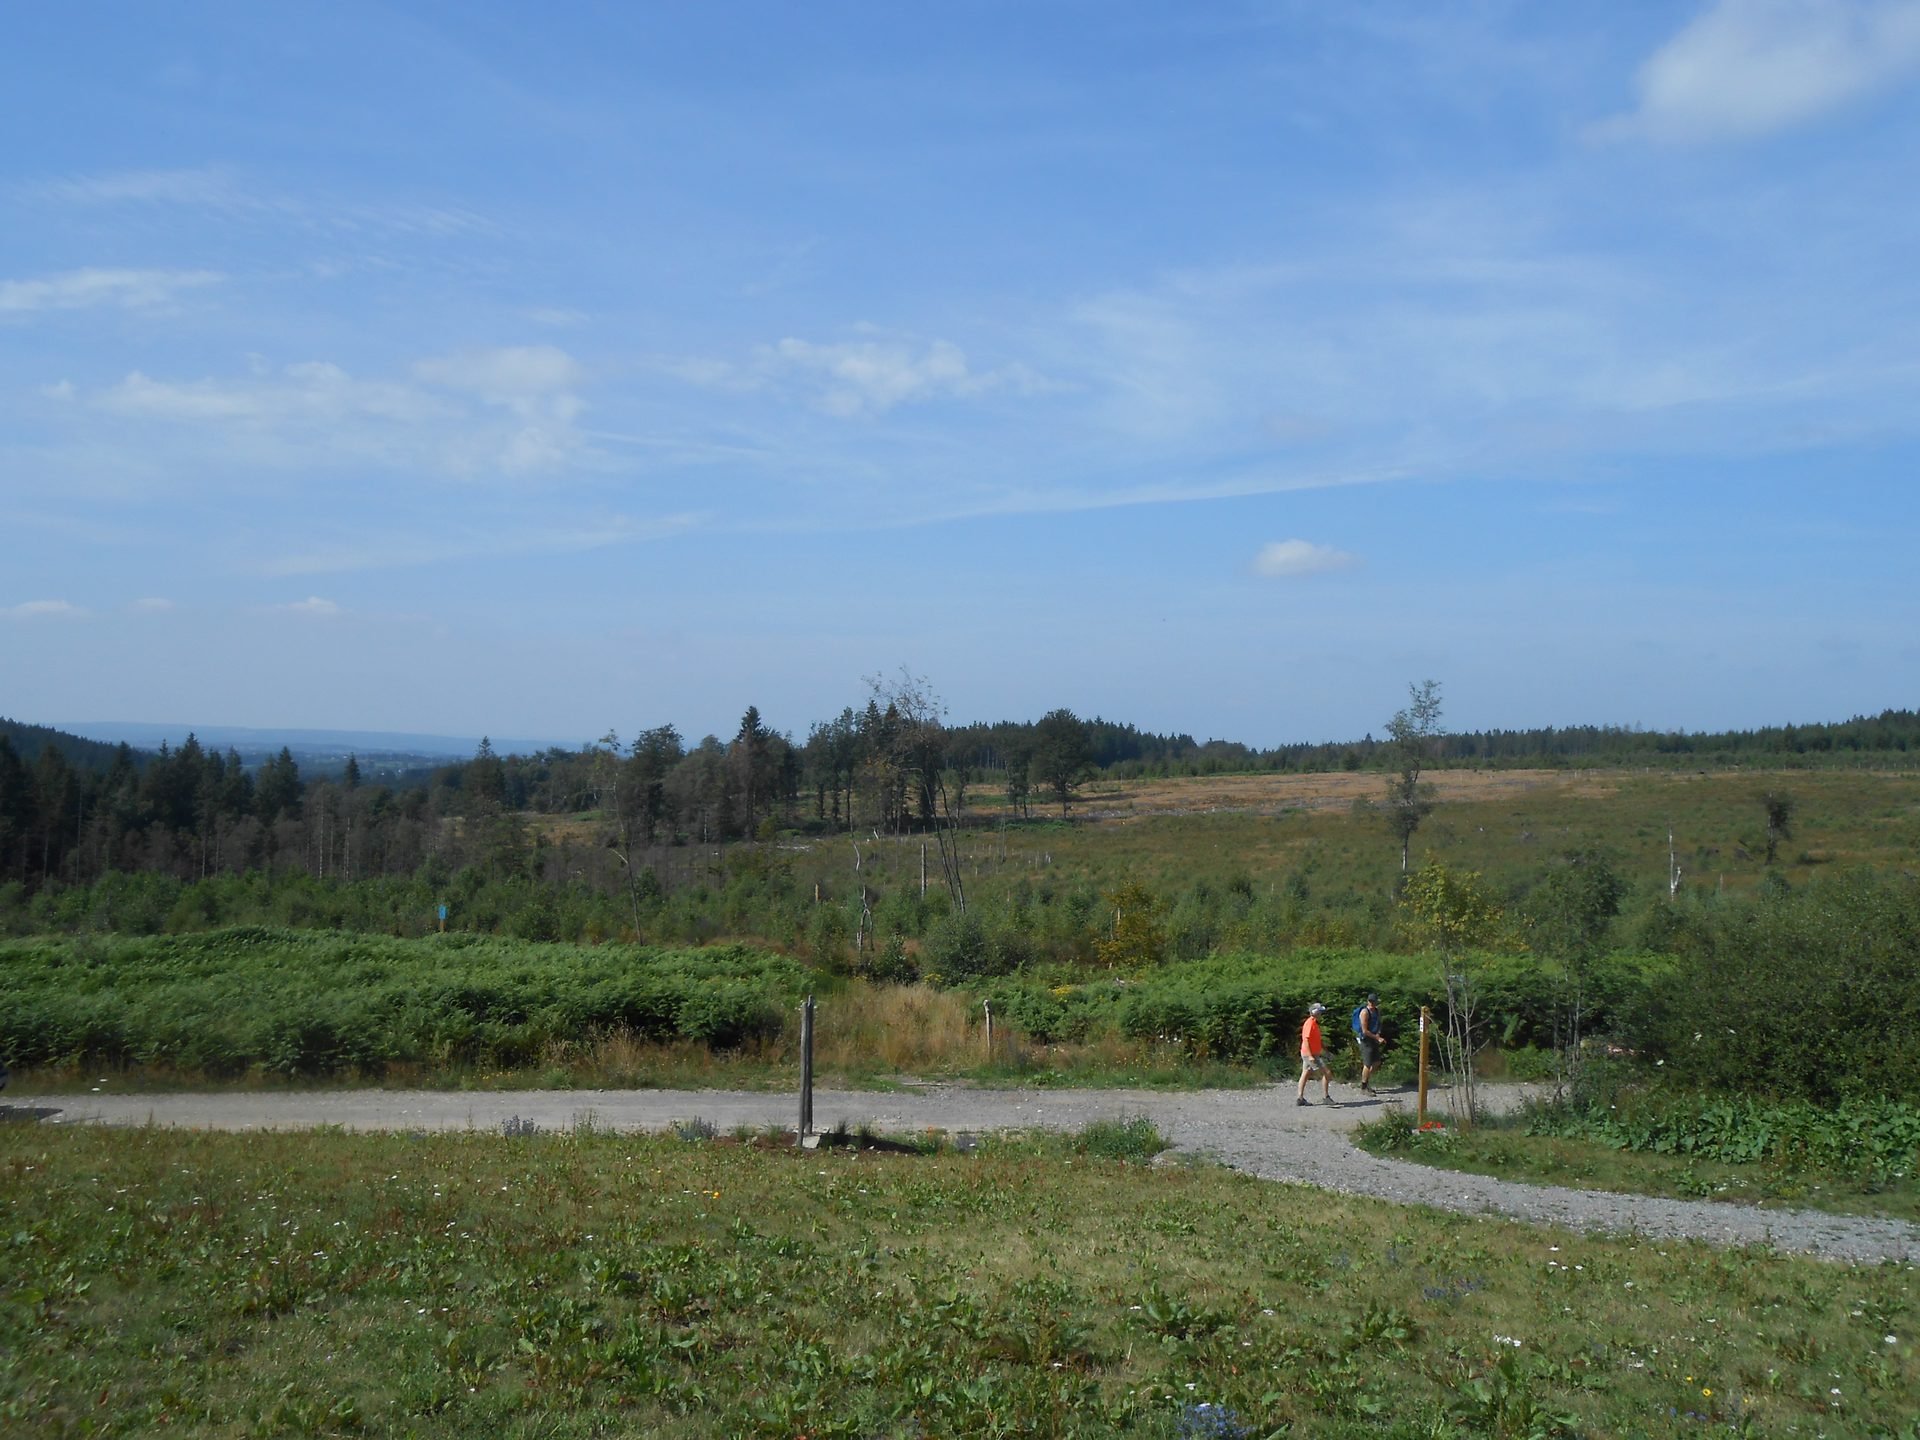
(1310, 1064)
(1369, 1052)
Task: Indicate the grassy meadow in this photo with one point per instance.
(1507, 824)
(324, 1284)
(1254, 863)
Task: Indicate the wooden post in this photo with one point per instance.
(923, 869)
(1425, 1016)
(987, 1005)
(806, 1068)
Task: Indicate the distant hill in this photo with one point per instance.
(80, 752)
(318, 745)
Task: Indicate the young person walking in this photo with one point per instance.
(1313, 1057)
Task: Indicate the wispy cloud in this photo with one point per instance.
(505, 373)
(397, 554)
(534, 383)
(309, 391)
(555, 317)
(86, 289)
(1748, 68)
(1048, 499)
(205, 185)
(860, 378)
(870, 377)
(151, 605)
(235, 195)
(1293, 559)
(509, 410)
(313, 606)
(43, 610)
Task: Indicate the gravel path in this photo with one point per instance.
(1259, 1131)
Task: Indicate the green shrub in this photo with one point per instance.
(890, 964)
(961, 948)
(315, 1004)
(1246, 1008)
(1130, 1139)
(1877, 1139)
(1813, 994)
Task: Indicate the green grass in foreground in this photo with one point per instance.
(1501, 1147)
(560, 1286)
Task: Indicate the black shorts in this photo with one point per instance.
(1369, 1052)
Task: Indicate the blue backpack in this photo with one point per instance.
(1358, 1011)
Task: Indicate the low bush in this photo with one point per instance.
(1131, 1139)
(1250, 1007)
(305, 1004)
(1872, 1139)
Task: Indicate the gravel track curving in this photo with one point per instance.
(1259, 1131)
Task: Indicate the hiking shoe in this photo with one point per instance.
(1299, 1099)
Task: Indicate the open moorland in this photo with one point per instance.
(1162, 933)
(325, 1284)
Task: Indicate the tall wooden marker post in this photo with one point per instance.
(1426, 1017)
(806, 1068)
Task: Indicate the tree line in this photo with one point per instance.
(889, 766)
(78, 809)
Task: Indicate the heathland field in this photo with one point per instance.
(286, 1006)
(323, 1284)
(1167, 934)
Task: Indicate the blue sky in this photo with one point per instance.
(1220, 368)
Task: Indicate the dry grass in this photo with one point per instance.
(1274, 794)
(903, 1027)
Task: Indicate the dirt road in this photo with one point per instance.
(1259, 1131)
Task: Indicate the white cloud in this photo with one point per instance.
(43, 610)
(235, 196)
(203, 186)
(1291, 559)
(311, 390)
(151, 605)
(532, 382)
(313, 605)
(508, 372)
(856, 378)
(557, 317)
(405, 552)
(506, 410)
(84, 289)
(870, 377)
(1747, 68)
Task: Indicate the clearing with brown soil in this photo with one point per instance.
(1275, 794)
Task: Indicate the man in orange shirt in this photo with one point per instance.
(1313, 1057)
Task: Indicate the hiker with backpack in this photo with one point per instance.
(1366, 1033)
